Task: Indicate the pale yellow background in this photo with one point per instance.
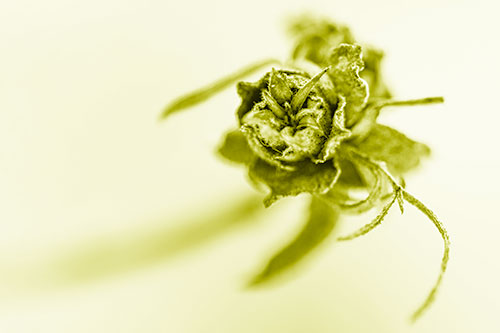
(83, 160)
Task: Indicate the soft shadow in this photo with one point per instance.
(134, 250)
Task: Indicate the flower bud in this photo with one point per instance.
(289, 119)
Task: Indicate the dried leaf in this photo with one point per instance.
(320, 223)
(399, 152)
(307, 177)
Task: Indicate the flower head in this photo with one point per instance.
(290, 119)
(311, 127)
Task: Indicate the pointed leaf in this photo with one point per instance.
(202, 94)
(399, 152)
(273, 104)
(320, 223)
(301, 95)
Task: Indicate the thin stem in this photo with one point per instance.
(419, 101)
(366, 203)
(444, 261)
(430, 214)
(372, 225)
(400, 202)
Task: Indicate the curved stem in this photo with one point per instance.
(444, 261)
(429, 213)
(372, 225)
(366, 203)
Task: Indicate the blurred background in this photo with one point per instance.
(112, 221)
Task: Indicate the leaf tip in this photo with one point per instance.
(254, 282)
(164, 114)
(270, 199)
(174, 106)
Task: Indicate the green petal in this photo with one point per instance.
(273, 104)
(399, 152)
(372, 73)
(346, 64)
(305, 177)
(319, 224)
(235, 148)
(315, 37)
(301, 95)
(337, 135)
(367, 120)
(279, 88)
(250, 93)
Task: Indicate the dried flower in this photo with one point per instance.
(311, 127)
